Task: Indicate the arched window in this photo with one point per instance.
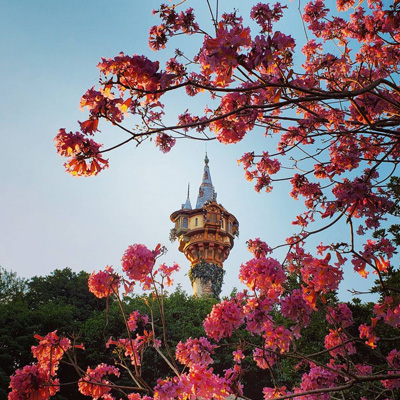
(185, 222)
(196, 222)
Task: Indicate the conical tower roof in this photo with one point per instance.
(187, 205)
(206, 190)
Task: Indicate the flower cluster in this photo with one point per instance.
(338, 342)
(340, 315)
(225, 317)
(165, 142)
(94, 383)
(389, 311)
(220, 55)
(38, 380)
(264, 275)
(138, 262)
(85, 156)
(296, 308)
(134, 318)
(32, 380)
(258, 248)
(199, 382)
(104, 283)
(50, 350)
(195, 351)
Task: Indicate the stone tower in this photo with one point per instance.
(205, 235)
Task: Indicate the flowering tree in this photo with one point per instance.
(336, 122)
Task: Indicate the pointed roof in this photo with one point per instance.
(206, 190)
(187, 205)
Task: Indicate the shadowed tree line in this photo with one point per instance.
(62, 301)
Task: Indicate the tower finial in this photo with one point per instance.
(187, 204)
(206, 160)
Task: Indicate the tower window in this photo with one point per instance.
(185, 222)
(196, 222)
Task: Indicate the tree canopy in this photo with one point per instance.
(330, 112)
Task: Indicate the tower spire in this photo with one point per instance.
(187, 205)
(206, 190)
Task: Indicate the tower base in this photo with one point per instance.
(206, 279)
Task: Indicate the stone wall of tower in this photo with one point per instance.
(202, 289)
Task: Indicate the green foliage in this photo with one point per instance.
(11, 286)
(60, 301)
(56, 301)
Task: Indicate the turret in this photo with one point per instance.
(205, 236)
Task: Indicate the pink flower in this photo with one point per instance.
(341, 315)
(94, 384)
(199, 382)
(264, 359)
(31, 380)
(296, 308)
(136, 317)
(165, 142)
(393, 360)
(224, 318)
(258, 247)
(367, 332)
(195, 351)
(277, 338)
(344, 5)
(104, 283)
(272, 393)
(137, 262)
(238, 356)
(263, 274)
(50, 350)
(85, 158)
(130, 347)
(337, 338)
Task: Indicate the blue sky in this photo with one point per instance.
(49, 219)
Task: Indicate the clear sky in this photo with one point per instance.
(49, 219)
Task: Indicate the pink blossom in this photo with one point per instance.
(89, 384)
(138, 261)
(340, 315)
(165, 142)
(104, 283)
(263, 274)
(195, 351)
(393, 360)
(264, 359)
(200, 382)
(258, 247)
(134, 318)
(338, 338)
(296, 308)
(31, 380)
(272, 393)
(85, 158)
(224, 318)
(49, 351)
(367, 332)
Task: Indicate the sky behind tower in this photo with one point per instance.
(49, 219)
